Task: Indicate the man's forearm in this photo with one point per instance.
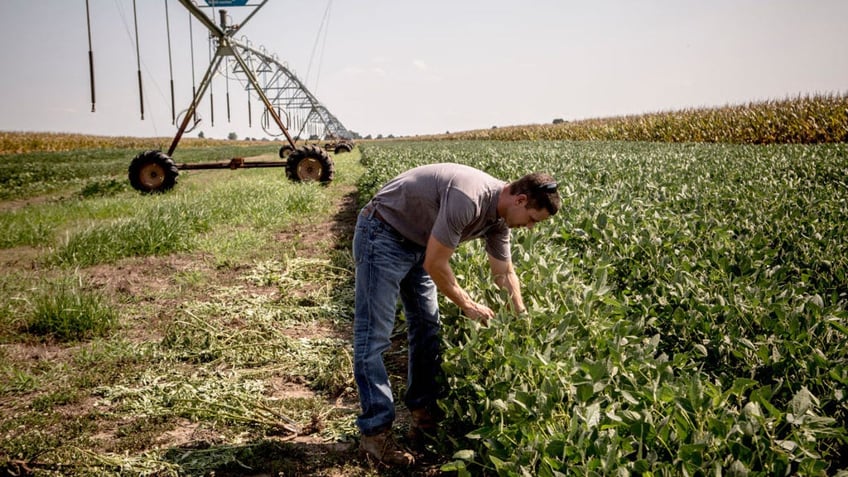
(446, 283)
(509, 282)
(437, 265)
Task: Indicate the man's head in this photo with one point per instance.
(531, 199)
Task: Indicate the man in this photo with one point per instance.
(402, 246)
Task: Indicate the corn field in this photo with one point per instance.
(802, 120)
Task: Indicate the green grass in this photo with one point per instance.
(158, 231)
(66, 311)
(14, 380)
(100, 229)
(101, 171)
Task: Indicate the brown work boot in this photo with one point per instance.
(422, 427)
(384, 448)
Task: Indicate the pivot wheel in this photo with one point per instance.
(153, 171)
(343, 147)
(310, 163)
(285, 151)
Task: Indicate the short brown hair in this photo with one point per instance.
(541, 191)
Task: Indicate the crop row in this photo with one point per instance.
(688, 312)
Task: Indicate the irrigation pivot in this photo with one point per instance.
(282, 94)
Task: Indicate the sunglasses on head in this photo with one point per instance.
(547, 187)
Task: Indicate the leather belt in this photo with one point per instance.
(371, 209)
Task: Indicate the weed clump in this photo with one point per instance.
(65, 311)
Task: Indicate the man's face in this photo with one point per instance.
(519, 215)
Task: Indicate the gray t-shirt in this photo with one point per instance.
(453, 202)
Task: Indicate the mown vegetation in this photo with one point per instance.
(174, 334)
(688, 312)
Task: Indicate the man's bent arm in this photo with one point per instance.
(437, 264)
(505, 277)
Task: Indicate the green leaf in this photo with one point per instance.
(464, 454)
(602, 221)
(455, 466)
(585, 392)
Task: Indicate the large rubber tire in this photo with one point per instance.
(343, 147)
(310, 163)
(285, 151)
(153, 171)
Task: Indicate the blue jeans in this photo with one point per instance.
(389, 266)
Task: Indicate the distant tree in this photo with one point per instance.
(232, 136)
(494, 127)
(559, 121)
(368, 137)
(201, 135)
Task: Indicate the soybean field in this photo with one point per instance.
(686, 312)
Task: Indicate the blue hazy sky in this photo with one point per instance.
(406, 67)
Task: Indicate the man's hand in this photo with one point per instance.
(478, 312)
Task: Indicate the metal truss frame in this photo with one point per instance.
(292, 95)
